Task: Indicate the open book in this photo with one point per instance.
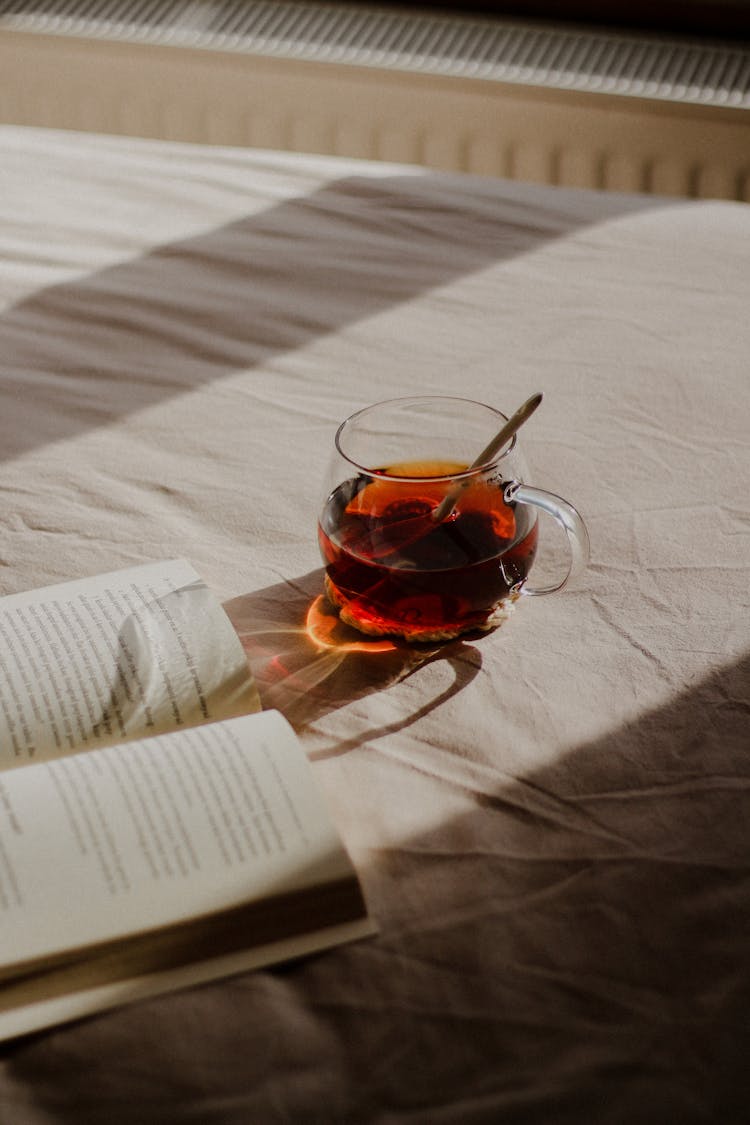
(157, 829)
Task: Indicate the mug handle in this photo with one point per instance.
(568, 518)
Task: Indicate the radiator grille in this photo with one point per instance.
(591, 60)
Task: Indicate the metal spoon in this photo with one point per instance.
(448, 503)
(414, 528)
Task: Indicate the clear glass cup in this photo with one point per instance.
(392, 567)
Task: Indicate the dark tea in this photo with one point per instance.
(390, 568)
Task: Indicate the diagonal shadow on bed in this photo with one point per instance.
(87, 352)
(585, 930)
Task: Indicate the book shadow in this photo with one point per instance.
(307, 663)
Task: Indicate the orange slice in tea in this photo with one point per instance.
(406, 509)
(481, 496)
(381, 494)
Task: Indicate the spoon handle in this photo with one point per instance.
(446, 505)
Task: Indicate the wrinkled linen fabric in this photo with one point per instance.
(550, 821)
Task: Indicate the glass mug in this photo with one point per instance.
(392, 568)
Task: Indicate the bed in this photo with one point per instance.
(551, 821)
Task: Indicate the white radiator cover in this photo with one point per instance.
(526, 101)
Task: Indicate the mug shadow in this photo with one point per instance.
(307, 663)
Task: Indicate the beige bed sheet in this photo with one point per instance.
(551, 821)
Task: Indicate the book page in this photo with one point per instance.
(101, 660)
(161, 831)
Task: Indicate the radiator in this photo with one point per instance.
(583, 107)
